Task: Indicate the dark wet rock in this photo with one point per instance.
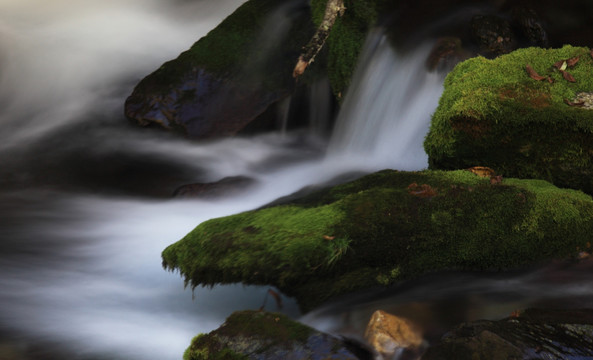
(565, 22)
(532, 334)
(229, 77)
(493, 34)
(446, 53)
(227, 186)
(203, 105)
(269, 336)
(530, 26)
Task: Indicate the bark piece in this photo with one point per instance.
(333, 9)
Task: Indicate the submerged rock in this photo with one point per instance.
(384, 228)
(512, 114)
(270, 336)
(532, 334)
(224, 187)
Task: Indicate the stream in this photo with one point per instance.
(85, 197)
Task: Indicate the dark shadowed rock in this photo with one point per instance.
(565, 22)
(493, 34)
(531, 26)
(229, 77)
(532, 334)
(446, 53)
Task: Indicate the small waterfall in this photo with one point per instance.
(386, 112)
(81, 233)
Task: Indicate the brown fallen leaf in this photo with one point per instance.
(533, 74)
(482, 171)
(550, 80)
(496, 179)
(421, 191)
(277, 297)
(574, 103)
(572, 61)
(329, 238)
(567, 76)
(516, 313)
(563, 64)
(558, 64)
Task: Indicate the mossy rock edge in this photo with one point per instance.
(492, 113)
(263, 335)
(384, 228)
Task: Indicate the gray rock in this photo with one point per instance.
(532, 334)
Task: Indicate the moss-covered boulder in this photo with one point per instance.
(531, 334)
(242, 67)
(384, 228)
(230, 76)
(269, 336)
(525, 124)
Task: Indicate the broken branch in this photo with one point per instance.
(332, 10)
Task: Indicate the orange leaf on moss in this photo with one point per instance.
(533, 74)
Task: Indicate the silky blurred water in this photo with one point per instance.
(85, 197)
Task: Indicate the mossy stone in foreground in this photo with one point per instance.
(266, 336)
(492, 113)
(383, 228)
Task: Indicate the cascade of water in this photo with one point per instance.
(83, 271)
(387, 110)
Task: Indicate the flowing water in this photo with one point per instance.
(85, 205)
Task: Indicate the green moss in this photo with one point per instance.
(384, 228)
(272, 245)
(274, 327)
(248, 332)
(209, 347)
(493, 114)
(237, 48)
(346, 38)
